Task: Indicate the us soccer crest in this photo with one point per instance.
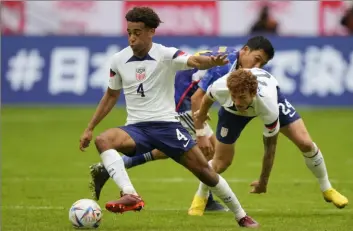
(140, 73)
(224, 132)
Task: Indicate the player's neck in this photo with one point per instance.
(143, 52)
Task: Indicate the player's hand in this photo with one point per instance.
(219, 60)
(86, 139)
(258, 187)
(206, 147)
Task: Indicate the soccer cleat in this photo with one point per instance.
(99, 177)
(127, 202)
(214, 206)
(331, 195)
(248, 222)
(198, 206)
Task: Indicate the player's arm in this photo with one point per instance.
(182, 61)
(201, 116)
(105, 105)
(206, 62)
(270, 117)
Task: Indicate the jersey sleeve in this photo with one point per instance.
(115, 81)
(211, 76)
(218, 91)
(176, 58)
(269, 111)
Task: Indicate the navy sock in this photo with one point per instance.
(210, 198)
(130, 162)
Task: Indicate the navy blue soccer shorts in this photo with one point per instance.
(230, 126)
(169, 137)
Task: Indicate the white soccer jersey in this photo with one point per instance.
(264, 105)
(148, 83)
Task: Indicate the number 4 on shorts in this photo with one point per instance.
(180, 135)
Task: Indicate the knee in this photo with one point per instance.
(221, 165)
(306, 145)
(102, 143)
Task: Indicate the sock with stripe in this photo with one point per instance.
(130, 162)
(316, 164)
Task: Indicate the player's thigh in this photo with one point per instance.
(292, 126)
(171, 138)
(115, 138)
(299, 135)
(223, 157)
(195, 162)
(230, 126)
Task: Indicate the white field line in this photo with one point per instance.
(34, 207)
(165, 180)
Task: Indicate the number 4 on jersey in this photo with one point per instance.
(140, 90)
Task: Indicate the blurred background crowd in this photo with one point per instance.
(233, 18)
(58, 51)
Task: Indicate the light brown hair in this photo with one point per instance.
(242, 81)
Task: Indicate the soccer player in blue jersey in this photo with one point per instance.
(190, 87)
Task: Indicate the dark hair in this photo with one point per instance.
(145, 15)
(261, 43)
(242, 81)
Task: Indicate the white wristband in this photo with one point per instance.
(200, 132)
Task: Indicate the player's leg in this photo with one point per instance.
(187, 122)
(108, 144)
(99, 175)
(136, 160)
(293, 127)
(195, 162)
(229, 128)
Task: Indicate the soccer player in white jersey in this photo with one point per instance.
(146, 71)
(243, 95)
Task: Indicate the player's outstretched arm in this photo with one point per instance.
(106, 104)
(206, 62)
(201, 115)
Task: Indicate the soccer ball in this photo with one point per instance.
(85, 213)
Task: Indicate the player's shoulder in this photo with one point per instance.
(123, 56)
(165, 52)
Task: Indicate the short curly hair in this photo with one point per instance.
(242, 81)
(143, 14)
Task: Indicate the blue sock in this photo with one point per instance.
(130, 162)
(210, 198)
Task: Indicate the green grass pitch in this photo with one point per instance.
(43, 173)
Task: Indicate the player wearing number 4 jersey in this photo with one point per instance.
(190, 87)
(146, 72)
(245, 94)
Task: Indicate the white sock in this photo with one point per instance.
(114, 164)
(225, 193)
(316, 163)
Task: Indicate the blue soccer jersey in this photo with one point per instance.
(188, 81)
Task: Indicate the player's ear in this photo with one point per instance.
(152, 31)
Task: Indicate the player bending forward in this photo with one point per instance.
(190, 87)
(243, 95)
(146, 72)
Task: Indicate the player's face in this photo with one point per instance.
(242, 100)
(140, 37)
(252, 58)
